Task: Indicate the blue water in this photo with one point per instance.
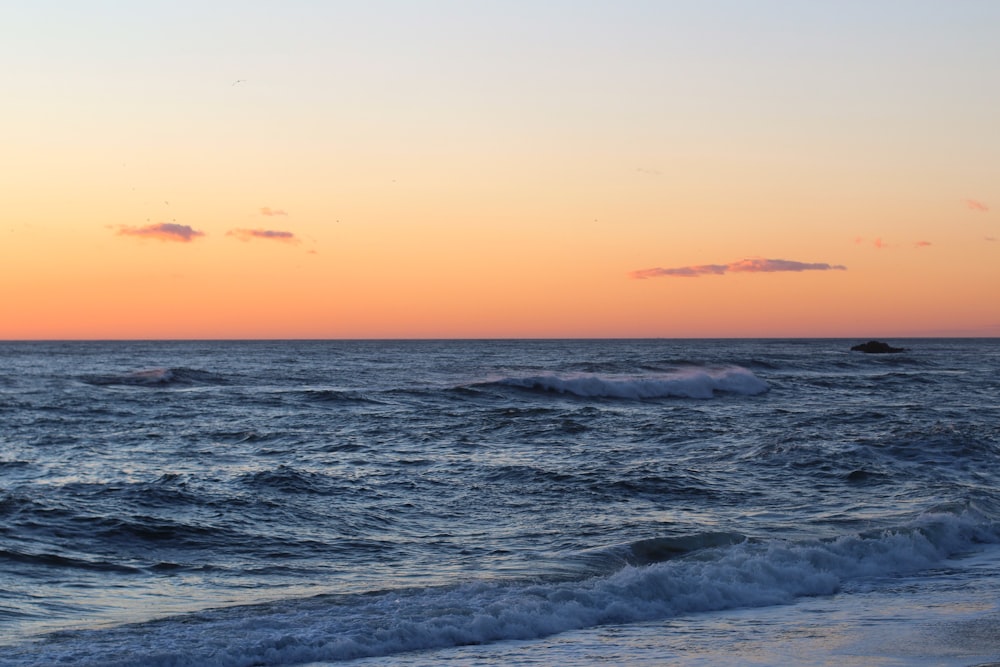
(499, 502)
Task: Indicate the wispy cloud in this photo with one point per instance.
(758, 265)
(164, 231)
(266, 210)
(267, 234)
(879, 244)
(681, 271)
(977, 206)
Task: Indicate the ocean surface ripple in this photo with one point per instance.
(309, 502)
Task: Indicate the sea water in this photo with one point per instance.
(644, 502)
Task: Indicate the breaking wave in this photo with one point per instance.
(156, 377)
(699, 573)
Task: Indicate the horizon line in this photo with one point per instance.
(491, 338)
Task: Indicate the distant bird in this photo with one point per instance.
(239, 81)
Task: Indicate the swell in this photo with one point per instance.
(693, 382)
(50, 560)
(900, 451)
(279, 515)
(332, 397)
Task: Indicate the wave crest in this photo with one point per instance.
(156, 377)
(683, 383)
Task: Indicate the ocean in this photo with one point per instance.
(536, 502)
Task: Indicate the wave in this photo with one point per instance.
(156, 377)
(334, 396)
(709, 572)
(659, 549)
(683, 383)
(285, 479)
(49, 560)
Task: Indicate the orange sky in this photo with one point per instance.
(500, 169)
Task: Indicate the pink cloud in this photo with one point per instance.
(164, 231)
(743, 266)
(922, 244)
(268, 234)
(271, 211)
(774, 265)
(977, 206)
(683, 271)
(878, 243)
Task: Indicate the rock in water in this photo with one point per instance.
(877, 347)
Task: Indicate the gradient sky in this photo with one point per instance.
(488, 168)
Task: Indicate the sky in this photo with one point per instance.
(499, 168)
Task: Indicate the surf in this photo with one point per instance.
(685, 575)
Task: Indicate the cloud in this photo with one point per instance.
(743, 266)
(268, 234)
(877, 242)
(977, 206)
(271, 211)
(683, 271)
(164, 231)
(774, 265)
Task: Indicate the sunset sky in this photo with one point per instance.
(499, 168)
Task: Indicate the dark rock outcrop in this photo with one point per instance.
(877, 347)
